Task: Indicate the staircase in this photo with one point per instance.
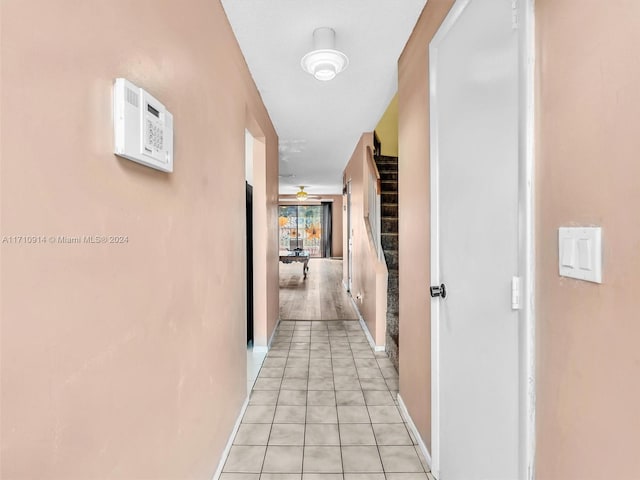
(388, 168)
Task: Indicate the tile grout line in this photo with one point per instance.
(276, 407)
(306, 405)
(384, 472)
(336, 397)
(306, 400)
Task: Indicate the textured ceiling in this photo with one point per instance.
(319, 123)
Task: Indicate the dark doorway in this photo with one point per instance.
(249, 256)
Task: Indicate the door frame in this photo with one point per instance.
(249, 169)
(349, 239)
(249, 263)
(524, 21)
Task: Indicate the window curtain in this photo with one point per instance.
(327, 220)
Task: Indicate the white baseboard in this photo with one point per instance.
(265, 348)
(412, 426)
(377, 348)
(227, 448)
(273, 334)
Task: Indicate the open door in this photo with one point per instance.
(249, 215)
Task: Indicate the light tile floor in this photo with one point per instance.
(324, 407)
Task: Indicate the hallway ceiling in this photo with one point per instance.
(319, 123)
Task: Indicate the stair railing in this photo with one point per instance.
(377, 146)
(374, 200)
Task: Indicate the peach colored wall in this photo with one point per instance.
(413, 183)
(336, 223)
(265, 246)
(588, 171)
(369, 274)
(125, 361)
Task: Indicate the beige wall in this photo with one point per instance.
(413, 183)
(125, 361)
(338, 238)
(369, 282)
(336, 222)
(588, 171)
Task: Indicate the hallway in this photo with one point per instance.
(324, 407)
(159, 163)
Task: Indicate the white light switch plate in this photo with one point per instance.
(580, 253)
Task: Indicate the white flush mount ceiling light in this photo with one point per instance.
(324, 62)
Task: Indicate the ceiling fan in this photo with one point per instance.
(302, 195)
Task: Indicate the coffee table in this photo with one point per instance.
(300, 256)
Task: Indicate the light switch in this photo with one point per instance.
(568, 252)
(580, 253)
(584, 254)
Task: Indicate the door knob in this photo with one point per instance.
(440, 291)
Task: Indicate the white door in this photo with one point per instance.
(475, 93)
(349, 239)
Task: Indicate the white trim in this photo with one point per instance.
(273, 334)
(526, 11)
(349, 239)
(267, 347)
(363, 324)
(227, 448)
(434, 228)
(527, 187)
(317, 199)
(414, 430)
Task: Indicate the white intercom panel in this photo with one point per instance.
(143, 127)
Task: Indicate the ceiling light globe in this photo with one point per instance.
(325, 72)
(324, 64)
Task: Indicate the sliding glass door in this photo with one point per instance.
(301, 227)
